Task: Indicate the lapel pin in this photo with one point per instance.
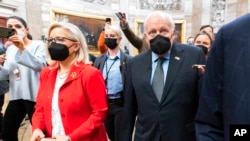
(177, 58)
(73, 75)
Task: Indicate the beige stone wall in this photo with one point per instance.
(194, 13)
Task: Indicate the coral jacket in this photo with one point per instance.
(82, 103)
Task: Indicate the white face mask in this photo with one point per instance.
(21, 33)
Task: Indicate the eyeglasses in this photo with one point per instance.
(58, 39)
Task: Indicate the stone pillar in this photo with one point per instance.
(34, 18)
(196, 17)
(242, 7)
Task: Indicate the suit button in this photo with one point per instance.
(63, 115)
(159, 109)
(61, 100)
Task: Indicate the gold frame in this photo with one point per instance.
(85, 21)
(178, 24)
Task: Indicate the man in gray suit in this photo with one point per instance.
(165, 110)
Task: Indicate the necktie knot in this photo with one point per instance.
(160, 61)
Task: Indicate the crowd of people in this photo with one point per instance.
(168, 92)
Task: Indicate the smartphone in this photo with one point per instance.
(196, 65)
(6, 32)
(119, 15)
(108, 20)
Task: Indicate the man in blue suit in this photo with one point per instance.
(166, 106)
(225, 97)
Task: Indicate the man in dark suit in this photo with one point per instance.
(225, 95)
(168, 114)
(113, 65)
(4, 87)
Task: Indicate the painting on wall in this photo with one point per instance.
(90, 25)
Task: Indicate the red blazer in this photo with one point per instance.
(82, 102)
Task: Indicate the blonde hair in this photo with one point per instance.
(116, 29)
(74, 33)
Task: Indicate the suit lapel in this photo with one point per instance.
(176, 58)
(123, 62)
(146, 69)
(102, 59)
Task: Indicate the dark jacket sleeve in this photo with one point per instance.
(209, 123)
(132, 38)
(130, 108)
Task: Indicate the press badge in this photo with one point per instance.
(16, 72)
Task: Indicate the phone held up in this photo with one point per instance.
(197, 65)
(108, 20)
(6, 32)
(119, 15)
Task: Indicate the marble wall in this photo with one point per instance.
(192, 13)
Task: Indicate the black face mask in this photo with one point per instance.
(58, 52)
(111, 43)
(160, 44)
(205, 49)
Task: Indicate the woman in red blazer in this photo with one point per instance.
(71, 102)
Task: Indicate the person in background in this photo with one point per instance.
(101, 41)
(162, 88)
(23, 62)
(139, 43)
(209, 29)
(224, 99)
(204, 41)
(190, 40)
(113, 65)
(71, 102)
(4, 87)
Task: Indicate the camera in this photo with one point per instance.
(6, 32)
(108, 20)
(119, 15)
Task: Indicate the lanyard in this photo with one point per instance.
(107, 70)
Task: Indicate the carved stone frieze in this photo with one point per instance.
(218, 13)
(102, 2)
(171, 5)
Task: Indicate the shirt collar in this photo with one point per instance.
(155, 56)
(117, 55)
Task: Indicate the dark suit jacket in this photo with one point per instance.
(100, 61)
(173, 118)
(225, 97)
(139, 43)
(4, 85)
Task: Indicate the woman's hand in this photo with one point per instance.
(17, 40)
(61, 138)
(37, 135)
(123, 21)
(201, 69)
(2, 58)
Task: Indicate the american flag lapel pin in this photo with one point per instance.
(177, 58)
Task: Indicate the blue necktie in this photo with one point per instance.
(158, 79)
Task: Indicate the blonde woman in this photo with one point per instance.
(69, 106)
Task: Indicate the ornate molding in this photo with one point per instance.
(172, 5)
(218, 13)
(102, 2)
(5, 5)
